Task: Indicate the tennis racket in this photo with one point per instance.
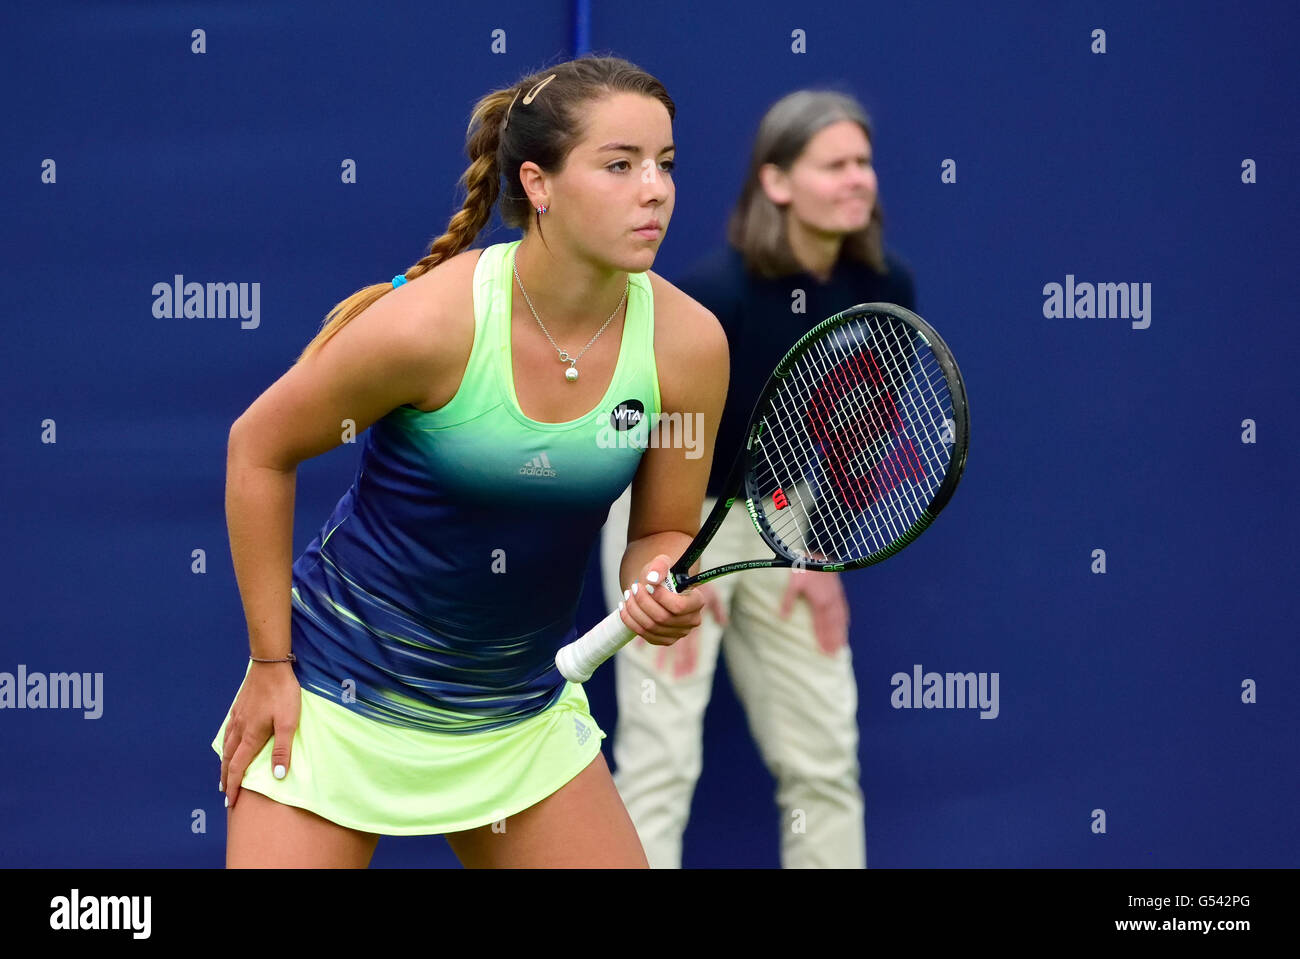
(855, 445)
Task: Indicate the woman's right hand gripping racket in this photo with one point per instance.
(856, 443)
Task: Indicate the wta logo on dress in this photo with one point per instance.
(623, 430)
(627, 414)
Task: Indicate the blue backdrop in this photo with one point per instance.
(1145, 712)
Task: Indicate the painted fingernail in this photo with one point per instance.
(634, 586)
(650, 589)
(220, 788)
(278, 771)
(620, 607)
(653, 575)
(227, 802)
(627, 594)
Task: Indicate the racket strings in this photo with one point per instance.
(829, 428)
(934, 400)
(828, 424)
(796, 528)
(853, 445)
(883, 420)
(853, 494)
(841, 511)
(898, 469)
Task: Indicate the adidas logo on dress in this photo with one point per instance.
(539, 465)
(583, 732)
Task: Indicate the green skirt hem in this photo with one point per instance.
(394, 781)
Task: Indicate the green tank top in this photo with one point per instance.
(448, 576)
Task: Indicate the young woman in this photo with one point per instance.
(402, 676)
(805, 243)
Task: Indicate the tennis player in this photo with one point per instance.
(805, 242)
(402, 676)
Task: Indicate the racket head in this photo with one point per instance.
(858, 440)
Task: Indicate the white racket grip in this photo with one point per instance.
(579, 659)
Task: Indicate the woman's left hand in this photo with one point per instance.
(825, 594)
(656, 613)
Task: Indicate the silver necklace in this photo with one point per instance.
(571, 373)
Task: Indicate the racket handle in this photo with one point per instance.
(579, 659)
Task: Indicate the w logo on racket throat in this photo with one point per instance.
(779, 500)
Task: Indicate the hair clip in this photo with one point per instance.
(529, 97)
(532, 94)
(505, 123)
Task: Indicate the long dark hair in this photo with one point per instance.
(539, 118)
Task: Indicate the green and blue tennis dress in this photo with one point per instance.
(427, 612)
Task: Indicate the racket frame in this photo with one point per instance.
(679, 575)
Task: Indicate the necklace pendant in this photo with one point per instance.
(571, 373)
